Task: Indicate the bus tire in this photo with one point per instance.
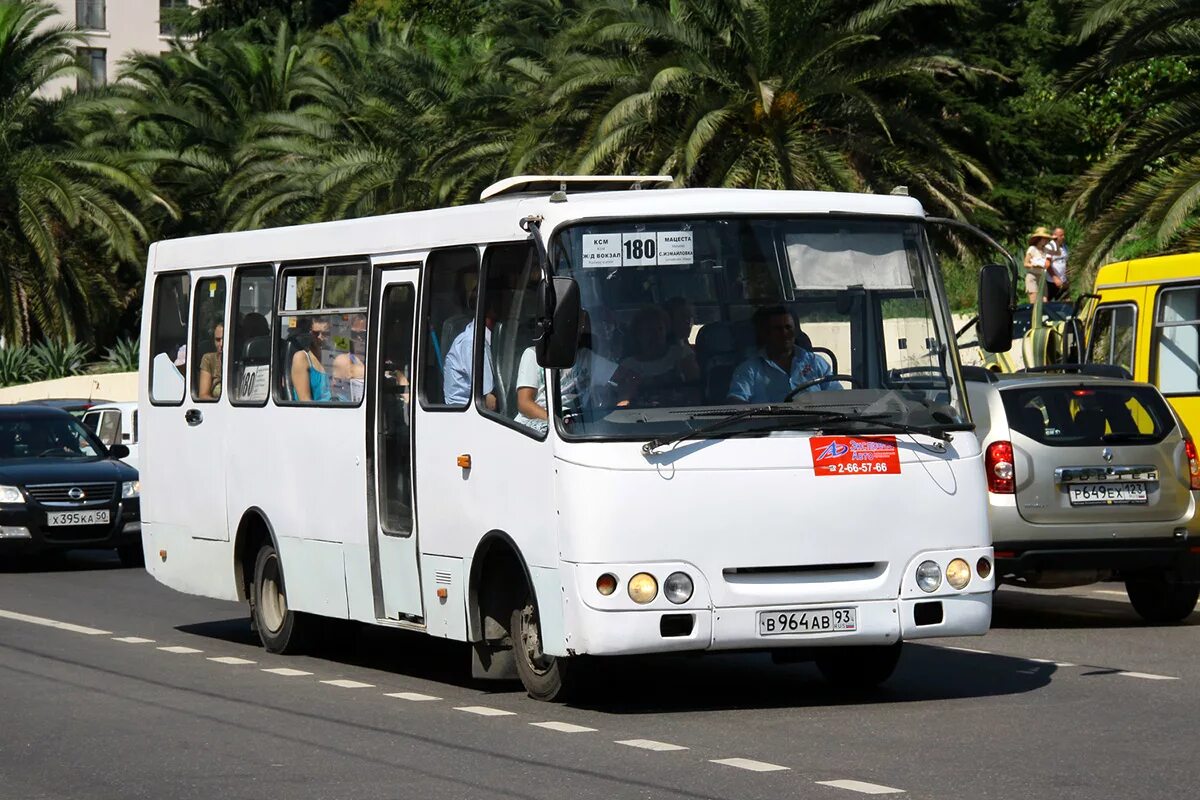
(280, 629)
(858, 668)
(544, 677)
(1162, 600)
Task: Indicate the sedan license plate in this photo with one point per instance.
(819, 620)
(57, 518)
(1127, 493)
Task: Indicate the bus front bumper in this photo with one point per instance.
(878, 622)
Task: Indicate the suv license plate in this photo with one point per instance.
(1108, 493)
(57, 518)
(819, 620)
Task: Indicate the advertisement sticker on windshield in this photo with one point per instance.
(851, 455)
(640, 249)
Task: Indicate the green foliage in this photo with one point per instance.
(55, 358)
(17, 365)
(122, 356)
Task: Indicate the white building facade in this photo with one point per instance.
(114, 30)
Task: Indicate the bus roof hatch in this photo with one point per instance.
(547, 184)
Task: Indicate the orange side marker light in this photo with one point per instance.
(464, 461)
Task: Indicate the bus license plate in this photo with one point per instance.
(1108, 493)
(98, 517)
(820, 620)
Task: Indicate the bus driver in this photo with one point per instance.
(779, 366)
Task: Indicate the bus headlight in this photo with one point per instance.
(929, 576)
(643, 588)
(11, 494)
(958, 573)
(131, 489)
(678, 587)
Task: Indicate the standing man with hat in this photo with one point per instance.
(1037, 261)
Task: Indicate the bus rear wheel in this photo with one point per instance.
(280, 629)
(858, 668)
(545, 677)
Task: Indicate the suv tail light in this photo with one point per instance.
(1193, 462)
(999, 464)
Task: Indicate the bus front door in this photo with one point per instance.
(394, 571)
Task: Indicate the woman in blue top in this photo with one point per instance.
(308, 374)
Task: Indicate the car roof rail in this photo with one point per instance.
(979, 375)
(1096, 370)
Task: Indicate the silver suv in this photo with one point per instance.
(1091, 477)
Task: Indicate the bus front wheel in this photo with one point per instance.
(859, 667)
(545, 677)
(280, 629)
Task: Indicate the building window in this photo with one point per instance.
(169, 14)
(95, 61)
(89, 15)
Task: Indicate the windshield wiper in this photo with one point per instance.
(818, 417)
(940, 432)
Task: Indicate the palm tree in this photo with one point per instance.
(67, 211)
(1150, 183)
(763, 93)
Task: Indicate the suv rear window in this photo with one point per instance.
(1063, 415)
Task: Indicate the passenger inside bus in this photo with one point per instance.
(349, 368)
(310, 382)
(456, 370)
(780, 365)
(664, 368)
(211, 367)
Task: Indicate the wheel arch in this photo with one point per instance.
(254, 529)
(496, 554)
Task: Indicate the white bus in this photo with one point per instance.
(574, 420)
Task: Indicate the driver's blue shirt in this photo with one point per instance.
(758, 379)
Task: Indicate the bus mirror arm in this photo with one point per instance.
(558, 324)
(996, 286)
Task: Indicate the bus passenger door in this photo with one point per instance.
(394, 571)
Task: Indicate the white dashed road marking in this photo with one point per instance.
(1110, 591)
(346, 684)
(485, 711)
(287, 672)
(750, 764)
(966, 650)
(563, 727)
(1148, 676)
(231, 660)
(860, 786)
(180, 649)
(416, 697)
(132, 640)
(650, 744)
(53, 623)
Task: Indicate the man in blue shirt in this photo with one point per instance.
(779, 366)
(457, 368)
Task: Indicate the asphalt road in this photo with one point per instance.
(148, 693)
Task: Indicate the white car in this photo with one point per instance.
(116, 423)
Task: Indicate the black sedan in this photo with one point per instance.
(62, 489)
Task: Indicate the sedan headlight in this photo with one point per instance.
(11, 494)
(131, 489)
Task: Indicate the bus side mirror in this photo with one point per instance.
(995, 308)
(559, 339)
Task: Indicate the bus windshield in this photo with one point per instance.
(689, 320)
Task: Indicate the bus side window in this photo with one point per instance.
(511, 274)
(1112, 336)
(168, 339)
(322, 334)
(448, 328)
(1177, 341)
(208, 340)
(250, 344)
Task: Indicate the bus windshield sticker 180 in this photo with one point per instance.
(645, 249)
(849, 455)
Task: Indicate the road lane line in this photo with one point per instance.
(342, 683)
(415, 697)
(1110, 591)
(1148, 676)
(563, 727)
(53, 623)
(650, 744)
(132, 640)
(750, 764)
(287, 672)
(485, 711)
(967, 650)
(862, 787)
(180, 649)
(231, 660)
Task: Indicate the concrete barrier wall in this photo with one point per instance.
(115, 386)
